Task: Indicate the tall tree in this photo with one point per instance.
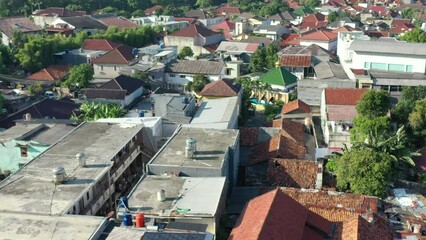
(373, 104)
(198, 83)
(258, 60)
(80, 76)
(271, 56)
(416, 36)
(185, 52)
(364, 171)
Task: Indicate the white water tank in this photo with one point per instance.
(161, 195)
(58, 175)
(81, 159)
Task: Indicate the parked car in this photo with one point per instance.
(50, 94)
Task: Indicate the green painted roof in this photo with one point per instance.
(278, 76)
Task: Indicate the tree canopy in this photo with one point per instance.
(91, 111)
(198, 83)
(416, 36)
(185, 52)
(80, 76)
(373, 104)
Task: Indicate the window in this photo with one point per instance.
(228, 71)
(115, 68)
(396, 67)
(379, 66)
(24, 151)
(102, 67)
(409, 68)
(87, 195)
(172, 75)
(182, 76)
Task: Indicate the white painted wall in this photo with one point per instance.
(359, 58)
(324, 44)
(107, 70)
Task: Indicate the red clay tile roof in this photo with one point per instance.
(336, 206)
(421, 160)
(359, 71)
(294, 106)
(119, 55)
(344, 29)
(288, 39)
(315, 17)
(151, 10)
(99, 45)
(275, 216)
(193, 30)
(288, 143)
(293, 173)
(378, 34)
(119, 22)
(343, 96)
(312, 25)
(221, 88)
(320, 35)
(358, 227)
(225, 10)
(248, 136)
(224, 27)
(287, 60)
(381, 10)
(51, 73)
(58, 11)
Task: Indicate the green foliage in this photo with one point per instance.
(417, 36)
(94, 111)
(204, 3)
(417, 121)
(185, 52)
(271, 111)
(274, 7)
(35, 89)
(79, 76)
(135, 37)
(373, 104)
(271, 56)
(310, 3)
(363, 126)
(409, 13)
(258, 60)
(198, 83)
(406, 103)
(1, 101)
(364, 171)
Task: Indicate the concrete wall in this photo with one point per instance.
(44, 21)
(107, 70)
(178, 81)
(359, 58)
(132, 97)
(324, 44)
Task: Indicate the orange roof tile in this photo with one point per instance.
(275, 216)
(343, 96)
(119, 22)
(294, 106)
(151, 10)
(51, 73)
(287, 60)
(99, 45)
(221, 88)
(193, 30)
(320, 35)
(293, 173)
(119, 55)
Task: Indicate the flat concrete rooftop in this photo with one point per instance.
(199, 196)
(31, 189)
(215, 113)
(41, 227)
(212, 146)
(41, 133)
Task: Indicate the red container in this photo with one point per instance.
(140, 220)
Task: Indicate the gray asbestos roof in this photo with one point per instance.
(391, 47)
(196, 67)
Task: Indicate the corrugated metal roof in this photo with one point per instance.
(391, 47)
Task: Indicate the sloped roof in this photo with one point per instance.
(275, 216)
(84, 22)
(221, 88)
(51, 108)
(358, 227)
(23, 24)
(237, 47)
(58, 11)
(295, 105)
(295, 60)
(51, 73)
(315, 17)
(99, 45)
(119, 22)
(196, 67)
(320, 35)
(343, 96)
(334, 206)
(294, 173)
(196, 13)
(123, 82)
(119, 55)
(278, 76)
(151, 10)
(226, 27)
(225, 9)
(110, 94)
(193, 30)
